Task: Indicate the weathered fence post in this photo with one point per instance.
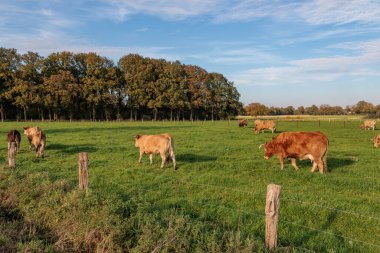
(11, 155)
(83, 171)
(271, 216)
(319, 123)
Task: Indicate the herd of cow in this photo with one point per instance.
(287, 145)
(301, 145)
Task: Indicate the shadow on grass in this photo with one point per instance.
(72, 149)
(14, 234)
(192, 158)
(338, 162)
(138, 128)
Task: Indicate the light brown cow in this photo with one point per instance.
(38, 140)
(261, 125)
(156, 144)
(376, 141)
(368, 124)
(300, 145)
(29, 132)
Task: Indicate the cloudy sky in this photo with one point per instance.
(277, 52)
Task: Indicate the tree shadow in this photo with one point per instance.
(113, 129)
(72, 149)
(192, 158)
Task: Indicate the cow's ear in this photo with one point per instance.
(137, 136)
(25, 128)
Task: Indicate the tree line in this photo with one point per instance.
(76, 86)
(361, 107)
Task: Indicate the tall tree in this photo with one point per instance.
(9, 64)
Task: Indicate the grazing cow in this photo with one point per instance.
(266, 124)
(29, 132)
(376, 141)
(154, 144)
(243, 123)
(299, 145)
(38, 140)
(368, 124)
(14, 136)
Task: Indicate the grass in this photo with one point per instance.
(214, 202)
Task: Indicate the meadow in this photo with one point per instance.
(214, 202)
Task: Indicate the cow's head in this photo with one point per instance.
(270, 150)
(26, 130)
(137, 137)
(376, 142)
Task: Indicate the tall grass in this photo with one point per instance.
(214, 202)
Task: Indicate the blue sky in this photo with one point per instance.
(277, 53)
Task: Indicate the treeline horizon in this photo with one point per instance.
(361, 107)
(87, 86)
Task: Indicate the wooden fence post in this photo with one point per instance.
(271, 216)
(319, 123)
(11, 155)
(83, 171)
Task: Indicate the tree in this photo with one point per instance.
(363, 107)
(9, 64)
(255, 109)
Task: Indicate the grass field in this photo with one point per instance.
(214, 202)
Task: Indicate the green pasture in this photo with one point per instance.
(214, 202)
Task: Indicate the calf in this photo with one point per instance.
(29, 132)
(262, 125)
(299, 145)
(154, 144)
(368, 124)
(38, 140)
(243, 123)
(14, 136)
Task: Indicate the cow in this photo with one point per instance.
(154, 144)
(299, 145)
(368, 124)
(14, 136)
(266, 124)
(29, 132)
(376, 141)
(243, 123)
(38, 140)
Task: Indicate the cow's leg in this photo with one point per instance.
(294, 163)
(151, 158)
(9, 145)
(281, 162)
(141, 154)
(163, 157)
(321, 166)
(314, 166)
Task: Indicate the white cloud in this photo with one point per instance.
(324, 69)
(165, 9)
(340, 11)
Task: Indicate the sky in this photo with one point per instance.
(277, 52)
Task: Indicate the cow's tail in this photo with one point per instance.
(324, 158)
(171, 151)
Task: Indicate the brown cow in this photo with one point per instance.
(154, 144)
(266, 124)
(376, 141)
(300, 145)
(368, 124)
(29, 132)
(243, 123)
(38, 140)
(14, 136)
